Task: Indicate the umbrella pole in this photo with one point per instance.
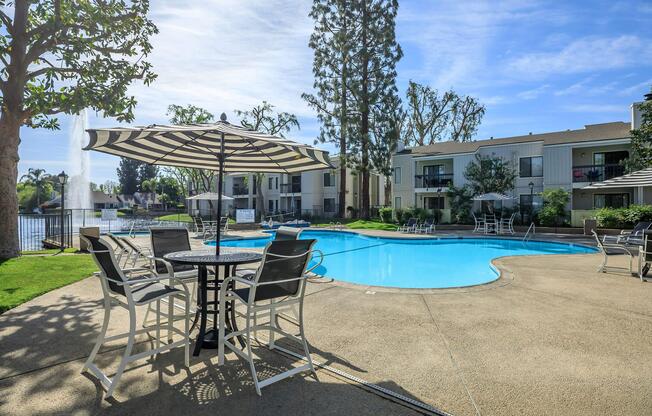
(219, 201)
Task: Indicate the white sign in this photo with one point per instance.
(109, 214)
(243, 216)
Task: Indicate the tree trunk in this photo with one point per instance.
(9, 141)
(364, 115)
(388, 191)
(260, 200)
(343, 126)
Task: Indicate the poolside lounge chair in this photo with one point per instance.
(278, 284)
(608, 249)
(288, 233)
(479, 224)
(645, 256)
(119, 290)
(136, 252)
(635, 236)
(410, 225)
(427, 227)
(120, 250)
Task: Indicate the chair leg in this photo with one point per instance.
(126, 355)
(250, 356)
(186, 328)
(100, 337)
(302, 334)
(272, 325)
(158, 324)
(603, 266)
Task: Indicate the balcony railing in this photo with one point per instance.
(597, 173)
(290, 188)
(442, 180)
(240, 190)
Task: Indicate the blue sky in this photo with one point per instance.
(537, 66)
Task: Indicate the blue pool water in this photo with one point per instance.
(411, 263)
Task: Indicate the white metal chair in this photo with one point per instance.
(490, 224)
(278, 284)
(410, 225)
(479, 224)
(608, 249)
(645, 256)
(426, 227)
(507, 224)
(143, 290)
(135, 253)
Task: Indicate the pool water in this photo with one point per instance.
(414, 263)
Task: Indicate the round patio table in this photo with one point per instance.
(203, 259)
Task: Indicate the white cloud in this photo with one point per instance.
(596, 108)
(585, 55)
(533, 93)
(224, 55)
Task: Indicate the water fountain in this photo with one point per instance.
(78, 191)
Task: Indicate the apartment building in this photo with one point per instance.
(314, 193)
(570, 159)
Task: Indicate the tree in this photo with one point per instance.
(36, 178)
(372, 79)
(641, 155)
(263, 118)
(61, 57)
(146, 172)
(331, 41)
(461, 202)
(554, 207)
(490, 174)
(432, 118)
(387, 133)
(189, 114)
(128, 175)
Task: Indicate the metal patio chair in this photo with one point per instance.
(278, 284)
(119, 290)
(479, 224)
(645, 256)
(608, 249)
(136, 252)
(120, 250)
(427, 227)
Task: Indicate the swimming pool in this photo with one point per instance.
(414, 263)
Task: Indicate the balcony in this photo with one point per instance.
(443, 180)
(597, 173)
(240, 190)
(290, 188)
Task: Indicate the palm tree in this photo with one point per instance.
(37, 178)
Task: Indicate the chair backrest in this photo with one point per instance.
(117, 242)
(166, 240)
(598, 241)
(647, 246)
(199, 225)
(412, 221)
(131, 245)
(104, 257)
(640, 228)
(287, 233)
(283, 259)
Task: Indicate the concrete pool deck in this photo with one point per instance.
(554, 337)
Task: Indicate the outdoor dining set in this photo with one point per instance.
(490, 223)
(176, 284)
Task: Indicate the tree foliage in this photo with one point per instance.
(37, 178)
(641, 155)
(554, 211)
(432, 117)
(461, 202)
(490, 174)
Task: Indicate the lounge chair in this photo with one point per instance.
(608, 249)
(635, 236)
(645, 256)
(119, 290)
(427, 227)
(137, 252)
(120, 250)
(411, 224)
(479, 224)
(278, 284)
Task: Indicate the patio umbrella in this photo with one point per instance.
(209, 196)
(492, 196)
(216, 146)
(636, 179)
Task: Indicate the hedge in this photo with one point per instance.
(623, 217)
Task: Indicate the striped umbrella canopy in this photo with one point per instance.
(636, 179)
(492, 196)
(209, 196)
(216, 146)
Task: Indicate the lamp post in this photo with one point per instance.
(438, 216)
(531, 185)
(63, 178)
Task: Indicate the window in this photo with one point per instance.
(397, 202)
(531, 167)
(432, 202)
(329, 205)
(610, 158)
(610, 200)
(276, 181)
(397, 175)
(530, 203)
(329, 179)
(270, 183)
(270, 205)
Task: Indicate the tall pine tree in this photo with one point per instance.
(373, 91)
(331, 41)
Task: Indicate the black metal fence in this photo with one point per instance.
(38, 231)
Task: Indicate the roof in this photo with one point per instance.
(99, 197)
(591, 132)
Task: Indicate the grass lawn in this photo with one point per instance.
(24, 278)
(48, 251)
(360, 224)
(181, 217)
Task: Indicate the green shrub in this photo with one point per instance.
(386, 214)
(554, 212)
(421, 214)
(623, 217)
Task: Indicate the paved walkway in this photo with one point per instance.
(552, 336)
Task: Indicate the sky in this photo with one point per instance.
(536, 66)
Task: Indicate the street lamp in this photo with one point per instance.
(531, 185)
(438, 201)
(63, 178)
